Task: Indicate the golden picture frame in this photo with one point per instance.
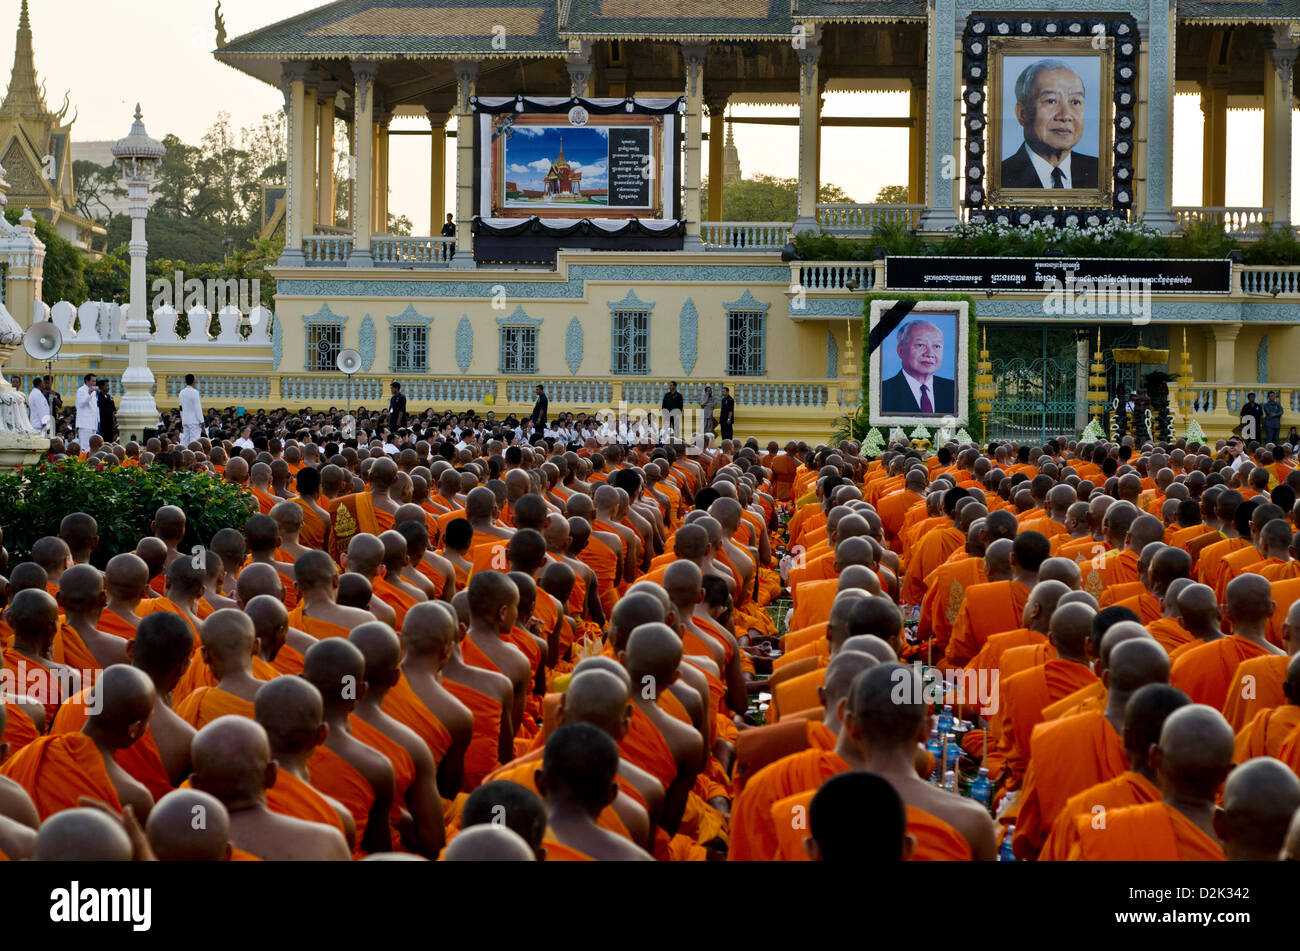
(1092, 58)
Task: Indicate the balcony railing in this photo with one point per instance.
(744, 235)
(1237, 222)
(847, 219)
(405, 251)
(833, 276)
(327, 250)
(1276, 280)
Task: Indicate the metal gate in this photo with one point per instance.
(1034, 399)
(1040, 375)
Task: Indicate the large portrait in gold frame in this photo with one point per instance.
(1051, 121)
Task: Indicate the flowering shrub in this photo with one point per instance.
(33, 500)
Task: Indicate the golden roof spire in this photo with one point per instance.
(24, 96)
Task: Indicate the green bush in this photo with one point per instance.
(34, 500)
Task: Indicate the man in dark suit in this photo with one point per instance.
(107, 412)
(728, 413)
(672, 407)
(539, 409)
(915, 390)
(1050, 107)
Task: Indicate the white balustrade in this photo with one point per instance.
(88, 315)
(409, 251)
(846, 218)
(63, 313)
(228, 318)
(744, 235)
(199, 318)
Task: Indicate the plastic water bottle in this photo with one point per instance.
(945, 719)
(952, 751)
(1005, 854)
(982, 789)
(950, 781)
(935, 749)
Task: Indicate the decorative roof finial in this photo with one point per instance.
(221, 27)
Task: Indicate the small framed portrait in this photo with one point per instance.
(1050, 121)
(919, 372)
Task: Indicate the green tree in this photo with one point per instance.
(892, 195)
(767, 198)
(94, 184)
(64, 264)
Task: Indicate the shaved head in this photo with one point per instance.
(188, 825)
(82, 835)
(1259, 799)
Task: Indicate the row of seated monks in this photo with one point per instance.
(529, 653)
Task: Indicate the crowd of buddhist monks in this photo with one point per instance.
(488, 651)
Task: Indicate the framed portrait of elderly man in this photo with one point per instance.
(1050, 121)
(919, 371)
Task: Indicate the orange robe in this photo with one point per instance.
(312, 533)
(1023, 698)
(813, 601)
(1066, 756)
(394, 597)
(945, 590)
(350, 515)
(206, 704)
(68, 648)
(1169, 633)
(145, 608)
(36, 681)
(141, 759)
(316, 628)
(1205, 672)
(753, 835)
(988, 609)
(936, 840)
(1264, 677)
(199, 674)
(403, 767)
(990, 655)
(110, 622)
(1265, 734)
(405, 706)
(1145, 605)
(338, 779)
(1210, 562)
(1153, 832)
(483, 753)
(57, 770)
(523, 771)
(603, 560)
(931, 552)
(19, 728)
(1281, 570)
(1126, 789)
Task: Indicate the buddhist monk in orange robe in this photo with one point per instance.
(1024, 695)
(57, 770)
(1144, 716)
(998, 604)
(1195, 755)
(885, 744)
(229, 643)
(1205, 672)
(1068, 755)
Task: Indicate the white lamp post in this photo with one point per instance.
(138, 157)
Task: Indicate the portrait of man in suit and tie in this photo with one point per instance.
(919, 387)
(1050, 128)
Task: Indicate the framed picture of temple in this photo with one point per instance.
(1050, 121)
(546, 165)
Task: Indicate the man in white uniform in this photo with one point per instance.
(87, 411)
(191, 412)
(38, 408)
